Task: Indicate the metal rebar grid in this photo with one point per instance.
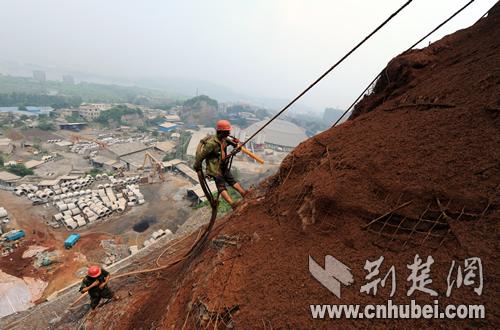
(398, 232)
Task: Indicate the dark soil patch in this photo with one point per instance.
(144, 224)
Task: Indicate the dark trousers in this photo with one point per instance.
(225, 177)
(96, 296)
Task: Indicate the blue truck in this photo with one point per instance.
(14, 236)
(71, 240)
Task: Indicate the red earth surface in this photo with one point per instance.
(414, 171)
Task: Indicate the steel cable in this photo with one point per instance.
(411, 47)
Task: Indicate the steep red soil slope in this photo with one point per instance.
(429, 135)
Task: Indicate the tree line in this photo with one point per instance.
(22, 100)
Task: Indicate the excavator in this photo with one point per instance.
(75, 138)
(156, 166)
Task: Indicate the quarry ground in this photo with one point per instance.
(166, 208)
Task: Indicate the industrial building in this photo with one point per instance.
(106, 163)
(131, 154)
(33, 163)
(280, 135)
(90, 111)
(6, 146)
(196, 192)
(196, 137)
(73, 126)
(172, 118)
(8, 179)
(167, 127)
(30, 111)
(187, 172)
(164, 146)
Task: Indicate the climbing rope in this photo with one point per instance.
(410, 48)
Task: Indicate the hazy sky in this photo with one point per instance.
(263, 48)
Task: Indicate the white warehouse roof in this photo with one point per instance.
(279, 132)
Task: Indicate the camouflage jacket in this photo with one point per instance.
(212, 150)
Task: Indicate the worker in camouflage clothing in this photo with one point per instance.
(213, 149)
(96, 284)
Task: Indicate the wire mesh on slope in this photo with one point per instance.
(397, 232)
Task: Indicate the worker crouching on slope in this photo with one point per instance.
(213, 149)
(96, 284)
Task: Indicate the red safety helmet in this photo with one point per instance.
(94, 271)
(223, 125)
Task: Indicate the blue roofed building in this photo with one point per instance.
(167, 127)
(40, 110)
(30, 110)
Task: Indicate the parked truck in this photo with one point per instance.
(71, 240)
(14, 235)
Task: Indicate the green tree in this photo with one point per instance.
(180, 150)
(19, 170)
(115, 114)
(74, 118)
(93, 172)
(45, 124)
(199, 99)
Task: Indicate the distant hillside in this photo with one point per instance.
(219, 92)
(88, 92)
(199, 110)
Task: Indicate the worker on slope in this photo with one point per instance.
(213, 149)
(96, 284)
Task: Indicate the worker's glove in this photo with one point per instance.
(236, 150)
(233, 141)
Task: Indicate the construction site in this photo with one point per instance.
(113, 191)
(410, 180)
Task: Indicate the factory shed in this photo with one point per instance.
(196, 192)
(8, 179)
(188, 172)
